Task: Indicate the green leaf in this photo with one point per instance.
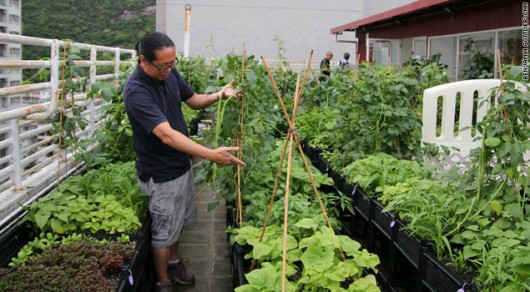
(307, 223)
(42, 219)
(317, 258)
(521, 265)
(469, 252)
(492, 141)
(496, 206)
(261, 250)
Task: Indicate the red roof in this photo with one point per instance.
(387, 15)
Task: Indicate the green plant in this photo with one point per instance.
(105, 200)
(313, 259)
(81, 264)
(380, 170)
(430, 208)
(479, 65)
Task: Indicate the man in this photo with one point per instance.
(325, 67)
(153, 98)
(344, 63)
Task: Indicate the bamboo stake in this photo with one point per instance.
(277, 91)
(501, 88)
(290, 135)
(271, 201)
(299, 147)
(239, 206)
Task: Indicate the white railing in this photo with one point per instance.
(31, 162)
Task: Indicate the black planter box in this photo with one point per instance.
(312, 152)
(438, 277)
(140, 274)
(13, 239)
(338, 179)
(410, 246)
(348, 189)
(323, 165)
(240, 266)
(383, 221)
(362, 204)
(140, 270)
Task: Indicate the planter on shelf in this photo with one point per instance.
(410, 246)
(323, 165)
(312, 152)
(13, 239)
(138, 275)
(435, 276)
(338, 179)
(240, 265)
(362, 204)
(383, 221)
(348, 189)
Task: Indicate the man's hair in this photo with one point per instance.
(347, 56)
(151, 42)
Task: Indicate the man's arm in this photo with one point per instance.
(200, 101)
(179, 141)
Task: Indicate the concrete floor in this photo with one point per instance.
(204, 247)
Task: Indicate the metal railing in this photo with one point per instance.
(31, 161)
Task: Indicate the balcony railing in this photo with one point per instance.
(31, 161)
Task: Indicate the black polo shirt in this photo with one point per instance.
(148, 103)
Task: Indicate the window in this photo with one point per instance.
(471, 56)
(476, 56)
(3, 29)
(511, 46)
(445, 47)
(2, 50)
(14, 52)
(3, 14)
(419, 48)
(15, 3)
(3, 2)
(14, 19)
(14, 32)
(14, 83)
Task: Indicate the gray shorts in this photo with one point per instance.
(171, 205)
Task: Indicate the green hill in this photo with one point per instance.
(116, 23)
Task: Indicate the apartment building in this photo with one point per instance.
(10, 22)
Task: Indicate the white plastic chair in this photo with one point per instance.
(463, 138)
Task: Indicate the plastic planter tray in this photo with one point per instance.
(139, 275)
(383, 221)
(438, 277)
(348, 189)
(140, 270)
(337, 179)
(314, 154)
(362, 204)
(410, 246)
(13, 239)
(323, 165)
(239, 264)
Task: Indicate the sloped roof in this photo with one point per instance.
(417, 8)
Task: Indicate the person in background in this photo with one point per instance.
(344, 63)
(325, 67)
(153, 97)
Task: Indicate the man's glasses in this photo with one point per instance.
(164, 68)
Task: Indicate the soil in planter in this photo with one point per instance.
(80, 266)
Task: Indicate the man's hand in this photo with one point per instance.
(228, 91)
(222, 156)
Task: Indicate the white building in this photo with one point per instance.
(10, 22)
